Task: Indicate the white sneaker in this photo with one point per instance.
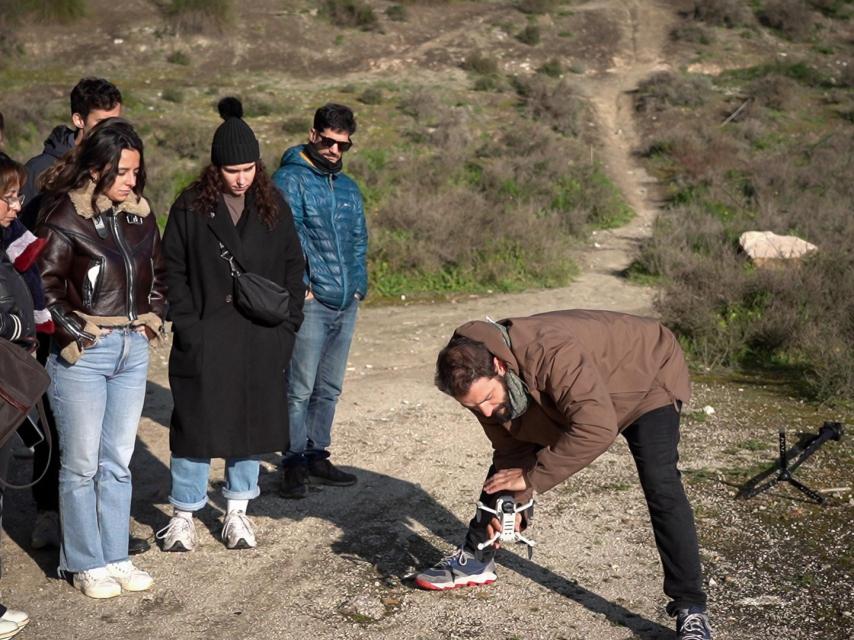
(12, 622)
(178, 535)
(45, 530)
(8, 629)
(17, 617)
(237, 531)
(97, 583)
(131, 578)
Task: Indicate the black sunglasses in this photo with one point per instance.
(328, 143)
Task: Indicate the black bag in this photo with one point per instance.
(259, 299)
(23, 381)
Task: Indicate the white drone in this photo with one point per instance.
(506, 510)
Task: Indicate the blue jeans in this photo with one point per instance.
(97, 403)
(315, 378)
(190, 481)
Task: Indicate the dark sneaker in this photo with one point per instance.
(137, 546)
(294, 482)
(461, 569)
(322, 471)
(693, 624)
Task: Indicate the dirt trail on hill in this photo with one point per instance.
(335, 564)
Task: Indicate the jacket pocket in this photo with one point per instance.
(185, 359)
(92, 282)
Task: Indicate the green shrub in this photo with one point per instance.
(371, 95)
(296, 126)
(173, 94)
(197, 16)
(791, 17)
(557, 105)
(692, 32)
(552, 68)
(479, 63)
(397, 13)
(48, 10)
(536, 6)
(178, 57)
(666, 89)
(723, 13)
(530, 35)
(350, 14)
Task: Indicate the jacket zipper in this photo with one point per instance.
(338, 243)
(114, 226)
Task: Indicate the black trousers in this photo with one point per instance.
(653, 440)
(46, 491)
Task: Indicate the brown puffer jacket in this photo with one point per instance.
(101, 269)
(590, 374)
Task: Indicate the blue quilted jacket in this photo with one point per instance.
(330, 218)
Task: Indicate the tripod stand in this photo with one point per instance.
(829, 431)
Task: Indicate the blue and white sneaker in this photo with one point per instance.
(693, 624)
(460, 569)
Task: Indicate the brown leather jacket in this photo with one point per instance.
(100, 266)
(589, 374)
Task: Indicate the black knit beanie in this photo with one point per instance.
(234, 141)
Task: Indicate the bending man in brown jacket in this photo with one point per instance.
(552, 392)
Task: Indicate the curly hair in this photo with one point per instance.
(460, 363)
(211, 185)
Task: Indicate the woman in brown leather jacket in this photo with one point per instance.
(104, 286)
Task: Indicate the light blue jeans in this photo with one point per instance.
(315, 378)
(97, 403)
(190, 481)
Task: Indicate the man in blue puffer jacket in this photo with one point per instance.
(330, 218)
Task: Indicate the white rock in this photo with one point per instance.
(766, 248)
(709, 410)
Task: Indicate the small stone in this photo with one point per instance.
(709, 410)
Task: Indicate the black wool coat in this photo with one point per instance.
(227, 373)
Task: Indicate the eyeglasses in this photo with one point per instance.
(12, 200)
(331, 142)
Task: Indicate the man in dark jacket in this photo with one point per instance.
(330, 218)
(552, 392)
(92, 100)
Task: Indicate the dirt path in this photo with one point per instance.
(335, 565)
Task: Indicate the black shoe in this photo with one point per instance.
(324, 472)
(137, 546)
(294, 482)
(693, 624)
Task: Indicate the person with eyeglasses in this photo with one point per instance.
(17, 325)
(330, 217)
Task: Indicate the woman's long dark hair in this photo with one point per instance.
(211, 186)
(99, 152)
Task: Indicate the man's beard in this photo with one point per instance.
(504, 411)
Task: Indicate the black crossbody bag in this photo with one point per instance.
(259, 299)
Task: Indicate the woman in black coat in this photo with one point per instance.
(227, 372)
(17, 324)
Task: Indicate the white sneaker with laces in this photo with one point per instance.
(45, 530)
(97, 583)
(131, 578)
(178, 535)
(237, 531)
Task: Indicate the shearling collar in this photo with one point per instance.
(82, 201)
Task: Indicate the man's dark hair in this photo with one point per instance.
(336, 117)
(94, 93)
(460, 363)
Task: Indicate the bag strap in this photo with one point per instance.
(225, 253)
(50, 452)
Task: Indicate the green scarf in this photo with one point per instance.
(516, 389)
